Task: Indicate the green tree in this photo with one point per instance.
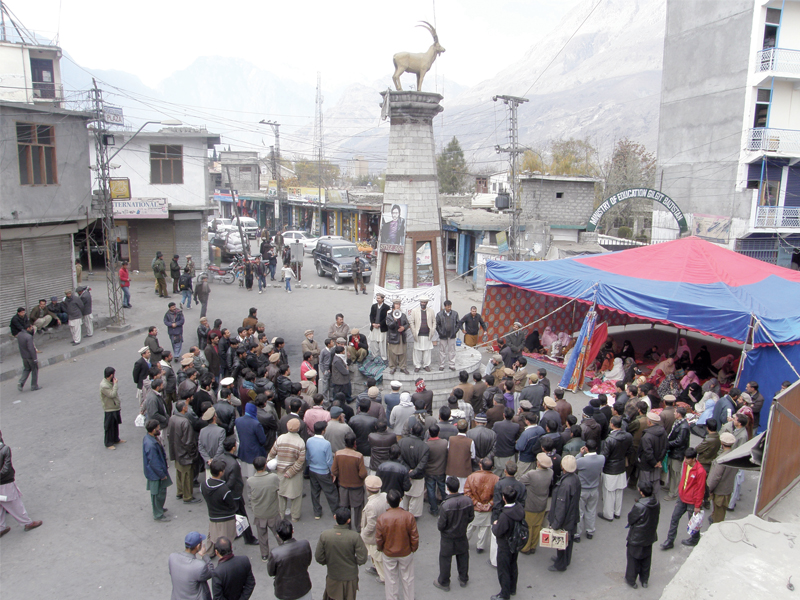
(630, 166)
(452, 169)
(573, 157)
(308, 173)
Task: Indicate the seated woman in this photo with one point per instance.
(691, 394)
(690, 377)
(664, 368)
(712, 385)
(683, 362)
(652, 355)
(532, 343)
(670, 385)
(627, 351)
(723, 369)
(548, 337)
(631, 370)
(616, 372)
(683, 346)
(706, 405)
(702, 362)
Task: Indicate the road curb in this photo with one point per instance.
(46, 362)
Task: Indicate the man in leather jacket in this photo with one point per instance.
(642, 526)
(393, 473)
(455, 515)
(565, 510)
(288, 564)
(617, 447)
(677, 443)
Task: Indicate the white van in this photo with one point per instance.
(249, 226)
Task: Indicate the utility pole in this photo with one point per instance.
(106, 207)
(235, 202)
(276, 172)
(513, 151)
(318, 142)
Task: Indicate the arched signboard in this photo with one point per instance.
(653, 195)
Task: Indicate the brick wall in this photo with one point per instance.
(540, 201)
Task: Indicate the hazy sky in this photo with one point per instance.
(347, 41)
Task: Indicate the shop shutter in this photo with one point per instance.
(154, 235)
(48, 268)
(187, 241)
(12, 284)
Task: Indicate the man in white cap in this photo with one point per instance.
(290, 451)
(209, 443)
(721, 479)
(376, 505)
(377, 326)
(392, 399)
(423, 323)
(565, 510)
(309, 344)
(537, 485)
(140, 370)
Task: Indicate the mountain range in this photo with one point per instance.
(597, 75)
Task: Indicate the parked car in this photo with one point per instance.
(335, 257)
(249, 226)
(309, 243)
(218, 224)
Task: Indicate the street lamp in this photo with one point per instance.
(103, 176)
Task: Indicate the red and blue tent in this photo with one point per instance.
(688, 283)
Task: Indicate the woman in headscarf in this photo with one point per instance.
(652, 355)
(532, 343)
(712, 385)
(747, 410)
(565, 339)
(683, 362)
(548, 337)
(690, 377)
(616, 372)
(725, 361)
(683, 346)
(627, 350)
(661, 371)
(702, 362)
(630, 370)
(706, 405)
(608, 361)
(691, 394)
(670, 385)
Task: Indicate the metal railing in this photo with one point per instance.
(778, 59)
(48, 92)
(778, 216)
(785, 141)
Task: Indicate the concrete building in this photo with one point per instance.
(170, 193)
(729, 129)
(357, 168)
(45, 181)
(244, 169)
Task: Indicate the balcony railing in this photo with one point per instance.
(778, 59)
(784, 141)
(774, 217)
(47, 92)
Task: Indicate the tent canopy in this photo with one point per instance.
(688, 283)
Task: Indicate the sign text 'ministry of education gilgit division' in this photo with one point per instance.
(648, 193)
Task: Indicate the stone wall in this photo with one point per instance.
(540, 201)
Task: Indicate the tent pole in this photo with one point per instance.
(778, 348)
(743, 357)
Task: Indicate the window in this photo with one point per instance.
(762, 108)
(166, 164)
(771, 26)
(559, 194)
(36, 148)
(245, 170)
(43, 79)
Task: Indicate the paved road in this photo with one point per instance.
(99, 540)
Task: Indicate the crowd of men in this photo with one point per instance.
(502, 459)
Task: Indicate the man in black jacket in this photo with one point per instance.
(414, 453)
(288, 564)
(393, 473)
(565, 510)
(362, 425)
(233, 578)
(235, 482)
(140, 370)
(506, 432)
(377, 326)
(503, 527)
(677, 443)
(455, 514)
(652, 450)
(642, 526)
(616, 448)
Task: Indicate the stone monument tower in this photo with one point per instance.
(410, 246)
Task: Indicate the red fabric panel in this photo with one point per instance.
(690, 260)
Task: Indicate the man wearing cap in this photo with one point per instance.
(310, 345)
(373, 394)
(533, 393)
(691, 490)
(290, 451)
(550, 415)
(617, 448)
(537, 485)
(485, 439)
(191, 569)
(506, 432)
(160, 272)
(377, 326)
(396, 339)
(342, 551)
(422, 322)
(494, 366)
(392, 399)
(174, 272)
(174, 320)
(677, 443)
(652, 451)
(590, 429)
(447, 326)
(721, 480)
(140, 370)
(376, 505)
(565, 510)
(397, 537)
(668, 414)
(261, 496)
(357, 347)
(211, 437)
(589, 468)
(58, 309)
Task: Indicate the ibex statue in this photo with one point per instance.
(416, 62)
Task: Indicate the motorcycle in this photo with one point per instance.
(215, 273)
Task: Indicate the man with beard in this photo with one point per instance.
(396, 325)
(377, 327)
(652, 451)
(422, 322)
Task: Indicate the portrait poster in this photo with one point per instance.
(393, 228)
